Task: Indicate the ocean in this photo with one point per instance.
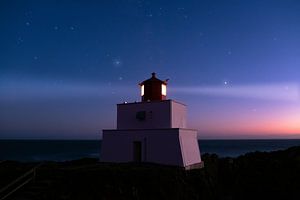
(62, 150)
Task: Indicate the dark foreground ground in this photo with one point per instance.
(274, 175)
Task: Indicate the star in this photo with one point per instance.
(20, 40)
(117, 62)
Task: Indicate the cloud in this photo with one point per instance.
(20, 89)
(284, 92)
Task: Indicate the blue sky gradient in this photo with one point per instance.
(65, 64)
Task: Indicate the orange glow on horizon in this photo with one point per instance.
(276, 123)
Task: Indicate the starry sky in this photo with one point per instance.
(64, 65)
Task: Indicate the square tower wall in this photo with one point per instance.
(151, 115)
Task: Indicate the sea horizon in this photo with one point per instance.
(28, 150)
(83, 139)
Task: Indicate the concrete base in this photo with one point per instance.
(173, 146)
(195, 166)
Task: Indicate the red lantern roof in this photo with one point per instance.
(153, 79)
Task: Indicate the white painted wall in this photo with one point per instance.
(178, 115)
(165, 146)
(159, 114)
(163, 135)
(189, 147)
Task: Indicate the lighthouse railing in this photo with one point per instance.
(18, 183)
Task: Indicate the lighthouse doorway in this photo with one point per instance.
(137, 151)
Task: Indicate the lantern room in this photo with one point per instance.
(153, 89)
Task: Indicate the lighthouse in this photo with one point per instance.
(152, 130)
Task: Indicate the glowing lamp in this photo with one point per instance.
(163, 89)
(142, 90)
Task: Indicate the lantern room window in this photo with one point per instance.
(164, 89)
(142, 90)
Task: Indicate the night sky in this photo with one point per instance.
(64, 65)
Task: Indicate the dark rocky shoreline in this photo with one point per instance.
(257, 175)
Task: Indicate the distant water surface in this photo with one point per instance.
(52, 150)
(61, 150)
(234, 148)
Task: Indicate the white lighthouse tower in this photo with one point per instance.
(153, 130)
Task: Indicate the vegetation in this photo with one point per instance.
(258, 175)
